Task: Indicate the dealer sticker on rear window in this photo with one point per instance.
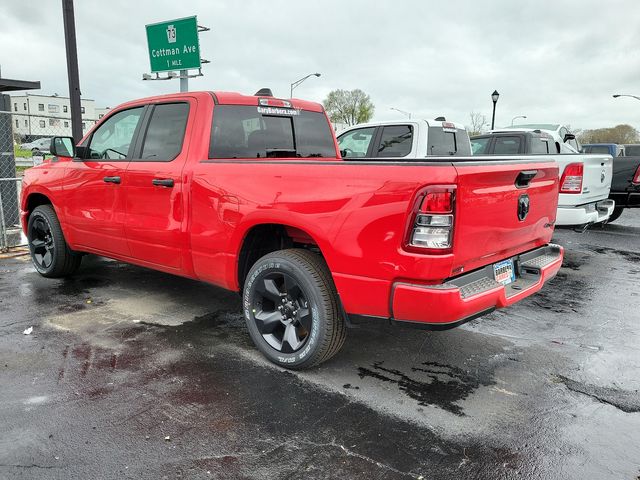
(278, 111)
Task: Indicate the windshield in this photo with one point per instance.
(241, 131)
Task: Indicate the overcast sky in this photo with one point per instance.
(553, 61)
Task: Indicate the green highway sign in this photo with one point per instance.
(173, 45)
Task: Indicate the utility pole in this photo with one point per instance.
(72, 69)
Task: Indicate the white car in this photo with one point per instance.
(39, 145)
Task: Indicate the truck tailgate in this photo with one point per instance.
(624, 169)
(491, 223)
(596, 183)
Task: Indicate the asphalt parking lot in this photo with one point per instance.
(131, 373)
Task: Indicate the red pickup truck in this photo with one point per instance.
(250, 193)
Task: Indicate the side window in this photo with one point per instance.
(112, 140)
(355, 144)
(165, 133)
(507, 146)
(479, 145)
(395, 141)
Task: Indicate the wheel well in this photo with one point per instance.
(267, 238)
(35, 200)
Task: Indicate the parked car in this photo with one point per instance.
(40, 145)
(585, 180)
(625, 186)
(258, 200)
(408, 139)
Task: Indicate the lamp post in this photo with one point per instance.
(408, 114)
(494, 97)
(623, 95)
(298, 82)
(515, 118)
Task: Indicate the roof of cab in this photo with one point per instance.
(231, 98)
(408, 121)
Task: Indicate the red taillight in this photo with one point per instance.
(571, 181)
(431, 228)
(437, 202)
(636, 177)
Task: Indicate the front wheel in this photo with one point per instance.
(292, 309)
(50, 254)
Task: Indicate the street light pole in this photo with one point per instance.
(515, 118)
(298, 82)
(623, 95)
(494, 97)
(408, 114)
(72, 68)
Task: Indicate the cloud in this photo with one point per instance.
(554, 62)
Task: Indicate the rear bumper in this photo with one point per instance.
(586, 214)
(469, 295)
(626, 199)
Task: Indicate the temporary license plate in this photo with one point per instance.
(503, 272)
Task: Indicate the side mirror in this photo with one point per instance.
(569, 136)
(63, 147)
(343, 153)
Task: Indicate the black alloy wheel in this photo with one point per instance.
(292, 309)
(281, 312)
(50, 253)
(41, 242)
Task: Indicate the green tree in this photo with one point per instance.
(349, 106)
(619, 134)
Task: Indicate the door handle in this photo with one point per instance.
(163, 182)
(115, 180)
(524, 178)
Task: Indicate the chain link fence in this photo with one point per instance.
(10, 230)
(24, 142)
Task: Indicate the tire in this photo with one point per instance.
(50, 254)
(617, 211)
(292, 309)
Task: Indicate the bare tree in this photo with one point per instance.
(349, 106)
(478, 121)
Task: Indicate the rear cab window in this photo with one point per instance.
(507, 145)
(446, 139)
(243, 131)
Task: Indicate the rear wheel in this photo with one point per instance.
(50, 254)
(616, 214)
(292, 309)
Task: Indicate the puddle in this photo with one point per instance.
(563, 294)
(625, 400)
(433, 383)
(633, 257)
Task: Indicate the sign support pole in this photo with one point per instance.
(72, 68)
(184, 81)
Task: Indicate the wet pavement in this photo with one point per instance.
(131, 373)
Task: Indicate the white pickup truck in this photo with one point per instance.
(404, 139)
(585, 180)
